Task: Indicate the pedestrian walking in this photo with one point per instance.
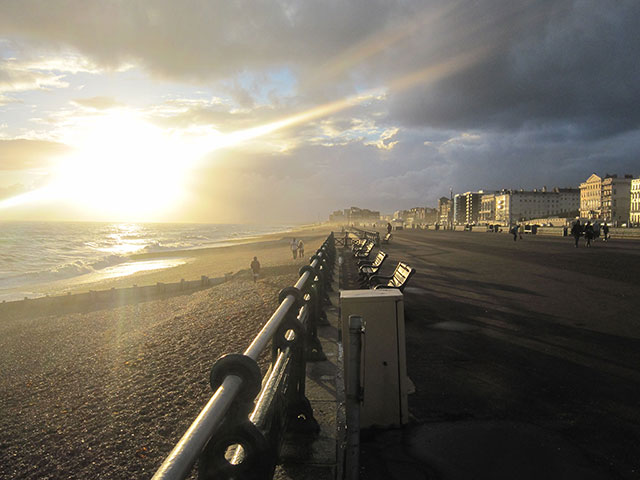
(605, 231)
(576, 231)
(300, 248)
(294, 248)
(514, 232)
(588, 233)
(255, 268)
(389, 227)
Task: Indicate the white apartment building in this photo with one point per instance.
(591, 197)
(514, 206)
(616, 199)
(487, 212)
(634, 211)
(606, 199)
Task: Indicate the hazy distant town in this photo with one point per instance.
(611, 199)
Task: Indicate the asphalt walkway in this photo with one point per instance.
(525, 356)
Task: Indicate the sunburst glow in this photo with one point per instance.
(123, 166)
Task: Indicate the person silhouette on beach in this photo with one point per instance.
(255, 268)
(294, 248)
(300, 248)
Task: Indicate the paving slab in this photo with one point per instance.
(306, 457)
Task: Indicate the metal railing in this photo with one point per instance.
(239, 432)
(372, 235)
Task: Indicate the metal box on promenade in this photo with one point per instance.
(383, 362)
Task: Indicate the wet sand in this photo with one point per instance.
(106, 392)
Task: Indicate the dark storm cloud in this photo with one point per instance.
(197, 39)
(516, 160)
(571, 65)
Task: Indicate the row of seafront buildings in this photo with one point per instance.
(611, 199)
(364, 216)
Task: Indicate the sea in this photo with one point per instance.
(33, 254)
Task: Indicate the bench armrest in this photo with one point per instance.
(362, 263)
(378, 279)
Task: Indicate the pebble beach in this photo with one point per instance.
(106, 392)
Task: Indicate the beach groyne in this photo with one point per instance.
(93, 299)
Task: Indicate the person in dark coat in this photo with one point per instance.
(605, 232)
(576, 231)
(588, 233)
(255, 268)
(514, 232)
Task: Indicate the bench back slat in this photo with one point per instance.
(365, 250)
(401, 275)
(379, 259)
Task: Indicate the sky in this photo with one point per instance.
(284, 110)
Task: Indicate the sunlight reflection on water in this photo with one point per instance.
(129, 268)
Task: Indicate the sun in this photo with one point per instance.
(123, 167)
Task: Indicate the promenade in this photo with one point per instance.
(525, 358)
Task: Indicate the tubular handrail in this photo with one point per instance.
(372, 235)
(236, 378)
(266, 334)
(180, 461)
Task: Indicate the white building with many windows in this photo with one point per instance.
(513, 206)
(634, 211)
(616, 193)
(606, 199)
(591, 197)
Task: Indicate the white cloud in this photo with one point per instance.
(385, 140)
(18, 77)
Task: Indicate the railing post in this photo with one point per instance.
(298, 411)
(237, 435)
(313, 348)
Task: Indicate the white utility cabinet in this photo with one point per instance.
(383, 371)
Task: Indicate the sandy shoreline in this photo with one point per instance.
(106, 392)
(271, 250)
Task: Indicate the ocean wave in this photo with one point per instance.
(61, 272)
(156, 247)
(44, 252)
